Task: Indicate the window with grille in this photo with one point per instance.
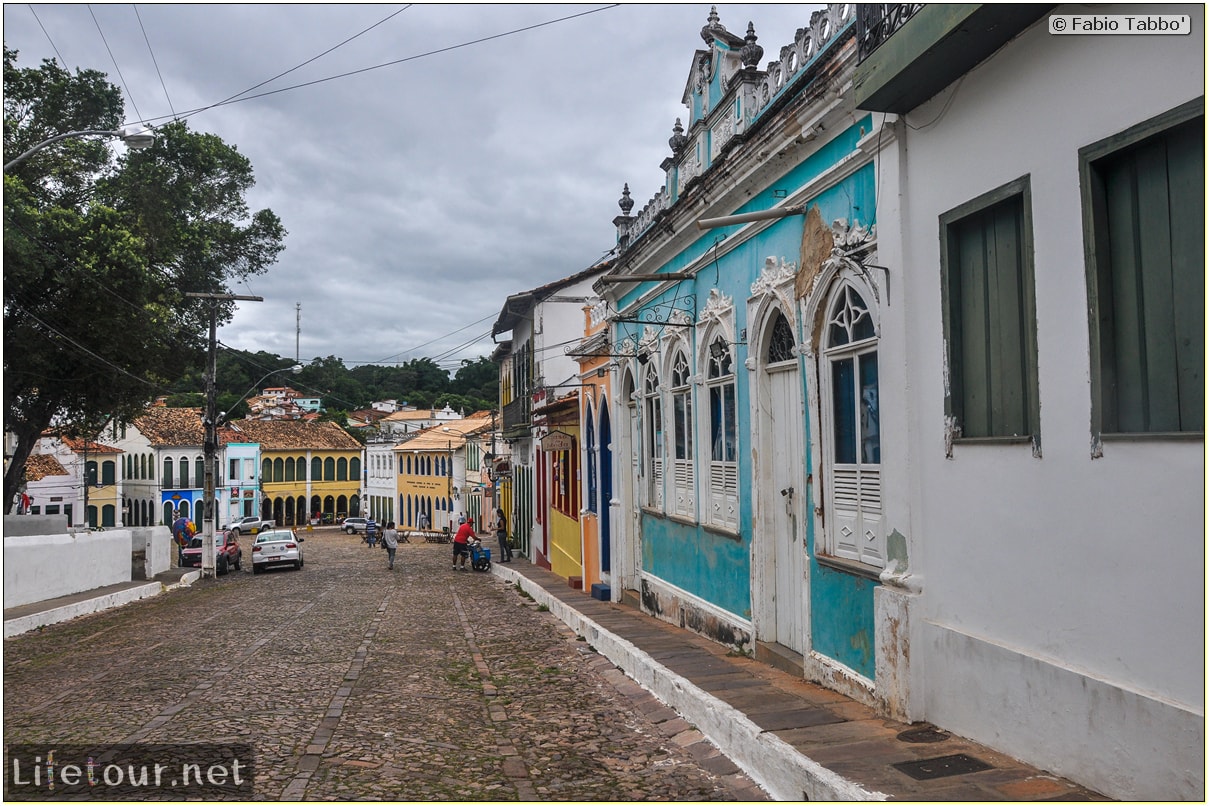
(684, 482)
(852, 409)
(723, 440)
(653, 437)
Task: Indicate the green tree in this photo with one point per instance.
(99, 252)
(477, 379)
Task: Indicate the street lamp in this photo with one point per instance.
(136, 136)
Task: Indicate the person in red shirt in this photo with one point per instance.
(461, 545)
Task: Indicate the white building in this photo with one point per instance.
(1040, 267)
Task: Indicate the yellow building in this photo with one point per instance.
(440, 474)
(307, 469)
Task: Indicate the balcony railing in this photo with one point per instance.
(516, 413)
(877, 22)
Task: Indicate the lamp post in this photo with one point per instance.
(136, 136)
(210, 443)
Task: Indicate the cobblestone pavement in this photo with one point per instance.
(354, 682)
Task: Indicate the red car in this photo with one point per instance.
(227, 554)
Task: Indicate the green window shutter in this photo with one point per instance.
(989, 293)
(1150, 278)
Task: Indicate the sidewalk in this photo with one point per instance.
(24, 618)
(797, 740)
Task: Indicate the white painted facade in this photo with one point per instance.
(1055, 604)
(381, 488)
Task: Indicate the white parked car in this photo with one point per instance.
(276, 547)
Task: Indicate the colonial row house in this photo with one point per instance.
(394, 426)
(279, 470)
(439, 473)
(78, 478)
(165, 475)
(308, 470)
(905, 380)
(537, 476)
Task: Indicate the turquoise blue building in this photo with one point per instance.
(745, 325)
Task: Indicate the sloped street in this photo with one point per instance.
(350, 681)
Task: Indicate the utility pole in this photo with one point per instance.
(210, 445)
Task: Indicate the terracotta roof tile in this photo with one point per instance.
(165, 427)
(40, 465)
(293, 434)
(438, 439)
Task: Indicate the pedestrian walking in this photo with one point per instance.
(390, 542)
(371, 533)
(461, 545)
(501, 534)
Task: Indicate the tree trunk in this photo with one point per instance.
(27, 432)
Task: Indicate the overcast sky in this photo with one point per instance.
(464, 160)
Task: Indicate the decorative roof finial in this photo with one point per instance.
(713, 23)
(625, 202)
(677, 141)
(751, 53)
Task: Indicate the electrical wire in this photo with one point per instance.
(53, 46)
(154, 61)
(235, 100)
(115, 64)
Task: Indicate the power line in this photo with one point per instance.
(115, 64)
(53, 46)
(234, 99)
(154, 60)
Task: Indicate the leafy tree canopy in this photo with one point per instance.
(100, 250)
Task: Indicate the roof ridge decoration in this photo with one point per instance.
(758, 91)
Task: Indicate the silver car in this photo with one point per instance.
(353, 525)
(276, 547)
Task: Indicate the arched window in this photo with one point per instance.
(300, 466)
(108, 469)
(183, 464)
(290, 472)
(90, 470)
(329, 469)
(652, 447)
(316, 469)
(354, 467)
(849, 377)
(167, 472)
(342, 469)
(723, 435)
(684, 482)
(199, 471)
(278, 470)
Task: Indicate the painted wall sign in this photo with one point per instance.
(558, 441)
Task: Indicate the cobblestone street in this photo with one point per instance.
(354, 682)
